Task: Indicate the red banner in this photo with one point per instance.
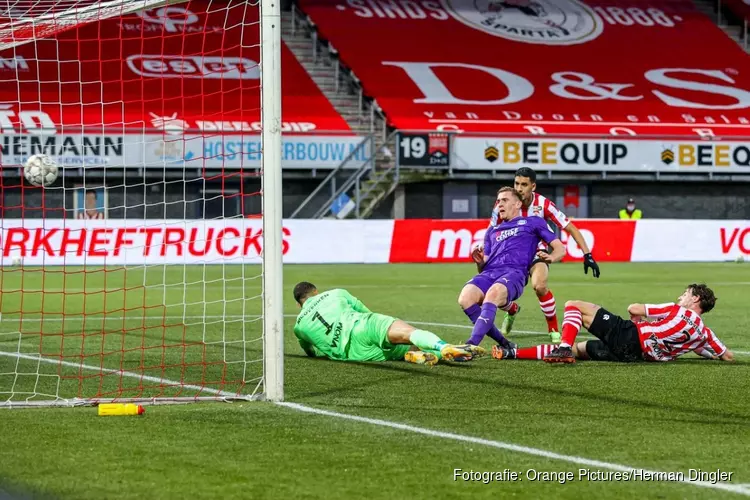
(643, 67)
(428, 240)
(608, 240)
(186, 66)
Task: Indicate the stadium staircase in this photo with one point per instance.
(379, 177)
(724, 19)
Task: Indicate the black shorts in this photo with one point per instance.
(618, 339)
(537, 260)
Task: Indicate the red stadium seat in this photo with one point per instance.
(187, 80)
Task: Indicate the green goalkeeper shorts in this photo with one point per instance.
(369, 340)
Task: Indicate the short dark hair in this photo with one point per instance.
(705, 294)
(91, 191)
(302, 290)
(526, 172)
(508, 189)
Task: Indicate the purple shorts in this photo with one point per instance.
(513, 279)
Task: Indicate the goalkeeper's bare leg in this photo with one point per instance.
(401, 332)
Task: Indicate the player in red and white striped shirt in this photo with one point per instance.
(661, 332)
(536, 205)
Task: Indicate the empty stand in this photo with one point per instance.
(188, 77)
(650, 68)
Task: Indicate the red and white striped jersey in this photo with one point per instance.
(708, 348)
(673, 332)
(84, 214)
(540, 206)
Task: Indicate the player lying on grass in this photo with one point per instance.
(660, 332)
(338, 326)
(536, 205)
(503, 264)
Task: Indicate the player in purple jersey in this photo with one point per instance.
(503, 264)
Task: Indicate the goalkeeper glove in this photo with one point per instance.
(589, 262)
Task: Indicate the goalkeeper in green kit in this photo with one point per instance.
(338, 326)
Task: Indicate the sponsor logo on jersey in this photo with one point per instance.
(506, 233)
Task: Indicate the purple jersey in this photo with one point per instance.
(513, 244)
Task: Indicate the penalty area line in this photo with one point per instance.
(739, 489)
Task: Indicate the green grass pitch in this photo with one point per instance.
(690, 414)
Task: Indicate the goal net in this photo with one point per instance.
(150, 270)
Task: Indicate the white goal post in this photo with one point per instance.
(151, 269)
(273, 303)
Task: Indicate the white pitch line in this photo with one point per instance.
(122, 373)
(507, 446)
(740, 489)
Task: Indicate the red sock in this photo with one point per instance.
(535, 352)
(547, 303)
(572, 322)
(511, 308)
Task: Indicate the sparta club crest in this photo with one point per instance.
(548, 22)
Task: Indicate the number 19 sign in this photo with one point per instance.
(424, 150)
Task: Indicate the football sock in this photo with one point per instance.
(511, 308)
(484, 323)
(572, 321)
(473, 312)
(435, 352)
(547, 303)
(535, 352)
(427, 341)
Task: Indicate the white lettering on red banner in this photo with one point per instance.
(211, 47)
(161, 66)
(544, 67)
(452, 240)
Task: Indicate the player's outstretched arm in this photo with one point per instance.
(556, 255)
(588, 259)
(637, 312)
(727, 356)
(718, 346)
(574, 233)
(308, 348)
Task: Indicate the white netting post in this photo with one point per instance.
(273, 305)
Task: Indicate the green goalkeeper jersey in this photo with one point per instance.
(324, 325)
